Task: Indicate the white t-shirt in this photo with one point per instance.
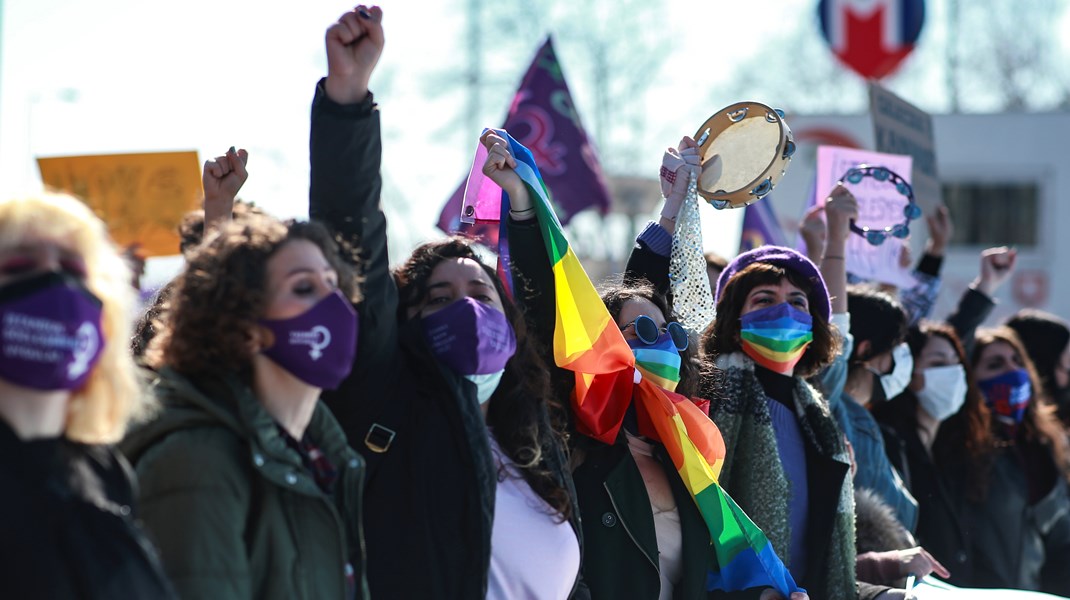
(532, 556)
(666, 515)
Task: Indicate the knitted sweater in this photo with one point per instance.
(754, 475)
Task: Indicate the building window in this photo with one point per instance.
(993, 213)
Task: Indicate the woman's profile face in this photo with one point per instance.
(298, 276)
(996, 359)
(633, 309)
(766, 295)
(37, 255)
(454, 279)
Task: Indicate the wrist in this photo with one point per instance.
(984, 285)
(345, 92)
(935, 249)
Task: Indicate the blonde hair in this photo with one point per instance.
(112, 397)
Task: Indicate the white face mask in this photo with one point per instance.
(903, 368)
(944, 392)
(486, 384)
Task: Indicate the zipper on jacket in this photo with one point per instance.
(628, 531)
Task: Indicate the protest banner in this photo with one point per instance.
(542, 117)
(901, 128)
(141, 197)
(879, 205)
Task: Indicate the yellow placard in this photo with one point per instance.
(141, 197)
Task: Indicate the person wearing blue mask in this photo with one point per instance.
(644, 535)
(468, 493)
(247, 483)
(68, 390)
(1019, 532)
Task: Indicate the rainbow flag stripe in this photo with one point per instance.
(742, 556)
(658, 367)
(776, 344)
(588, 342)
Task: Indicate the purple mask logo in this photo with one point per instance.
(317, 338)
(319, 345)
(470, 337)
(50, 335)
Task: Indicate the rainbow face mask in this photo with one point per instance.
(658, 362)
(776, 336)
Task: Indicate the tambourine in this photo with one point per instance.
(745, 149)
(877, 235)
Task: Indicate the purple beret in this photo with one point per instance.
(785, 258)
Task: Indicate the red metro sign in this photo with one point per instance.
(872, 37)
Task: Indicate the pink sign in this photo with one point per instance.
(879, 205)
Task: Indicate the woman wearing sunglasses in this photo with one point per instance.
(644, 536)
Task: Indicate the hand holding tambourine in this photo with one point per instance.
(677, 165)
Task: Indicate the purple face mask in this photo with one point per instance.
(319, 345)
(470, 337)
(50, 336)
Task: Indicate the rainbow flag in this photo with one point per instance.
(588, 342)
(742, 555)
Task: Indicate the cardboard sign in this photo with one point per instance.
(879, 205)
(141, 197)
(901, 128)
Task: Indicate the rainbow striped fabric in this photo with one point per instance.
(588, 342)
(776, 337)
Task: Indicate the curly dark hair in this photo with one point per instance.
(524, 413)
(722, 336)
(1040, 423)
(191, 228)
(969, 429)
(616, 295)
(208, 320)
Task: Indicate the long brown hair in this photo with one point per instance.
(1040, 423)
(969, 429)
(722, 336)
(524, 391)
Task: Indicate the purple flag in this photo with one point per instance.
(761, 227)
(543, 118)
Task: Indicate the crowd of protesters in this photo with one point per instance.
(291, 418)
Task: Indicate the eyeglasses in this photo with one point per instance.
(911, 212)
(648, 332)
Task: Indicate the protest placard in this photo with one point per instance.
(899, 127)
(141, 197)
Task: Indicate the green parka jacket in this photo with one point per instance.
(231, 507)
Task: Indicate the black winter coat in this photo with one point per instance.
(67, 524)
(1004, 541)
(620, 546)
(431, 478)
